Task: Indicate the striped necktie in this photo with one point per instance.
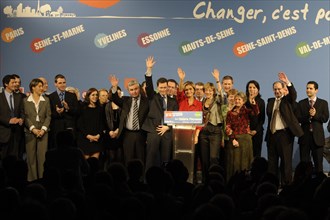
(135, 114)
(61, 98)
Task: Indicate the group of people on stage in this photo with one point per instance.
(111, 127)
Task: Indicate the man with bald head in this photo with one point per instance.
(45, 85)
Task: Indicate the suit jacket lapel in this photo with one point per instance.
(307, 104)
(316, 104)
(41, 106)
(271, 106)
(4, 100)
(143, 104)
(159, 102)
(16, 100)
(57, 97)
(129, 103)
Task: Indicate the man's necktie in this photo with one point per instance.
(275, 116)
(135, 114)
(311, 103)
(61, 98)
(164, 103)
(11, 105)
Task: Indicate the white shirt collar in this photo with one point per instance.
(30, 99)
(314, 100)
(7, 93)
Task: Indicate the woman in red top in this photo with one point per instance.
(239, 150)
(188, 102)
(186, 94)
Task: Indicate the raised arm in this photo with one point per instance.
(114, 81)
(150, 62)
(216, 75)
(181, 75)
(292, 96)
(283, 78)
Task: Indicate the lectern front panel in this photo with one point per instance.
(184, 147)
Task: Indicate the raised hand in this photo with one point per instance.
(283, 77)
(181, 74)
(216, 74)
(113, 80)
(150, 62)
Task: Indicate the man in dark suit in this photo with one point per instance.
(159, 135)
(172, 88)
(64, 106)
(282, 127)
(313, 112)
(134, 110)
(11, 118)
(18, 90)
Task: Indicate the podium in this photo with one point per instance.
(184, 126)
(184, 147)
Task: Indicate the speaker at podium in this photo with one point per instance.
(184, 127)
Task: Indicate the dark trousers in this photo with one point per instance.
(280, 147)
(159, 149)
(197, 159)
(257, 140)
(210, 143)
(12, 147)
(308, 148)
(134, 143)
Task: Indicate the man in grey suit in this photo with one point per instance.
(282, 127)
(11, 118)
(313, 112)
